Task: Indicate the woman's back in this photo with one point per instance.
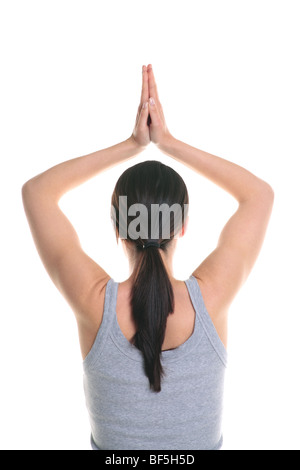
(180, 325)
(126, 414)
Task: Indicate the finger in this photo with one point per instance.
(145, 87)
(152, 84)
(153, 90)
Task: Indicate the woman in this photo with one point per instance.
(154, 347)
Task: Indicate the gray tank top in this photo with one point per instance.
(125, 414)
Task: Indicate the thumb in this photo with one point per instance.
(153, 111)
(144, 114)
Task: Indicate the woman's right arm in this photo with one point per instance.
(242, 237)
(225, 270)
(234, 179)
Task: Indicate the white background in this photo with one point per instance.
(228, 78)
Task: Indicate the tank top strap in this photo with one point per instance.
(109, 313)
(205, 319)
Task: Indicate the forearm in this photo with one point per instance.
(234, 179)
(67, 175)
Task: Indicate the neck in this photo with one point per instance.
(167, 258)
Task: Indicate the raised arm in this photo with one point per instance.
(242, 237)
(79, 278)
(224, 271)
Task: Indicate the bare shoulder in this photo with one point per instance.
(218, 313)
(225, 270)
(90, 318)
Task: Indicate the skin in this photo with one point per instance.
(82, 281)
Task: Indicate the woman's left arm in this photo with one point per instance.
(79, 278)
(60, 179)
(73, 272)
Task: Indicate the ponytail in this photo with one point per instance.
(152, 300)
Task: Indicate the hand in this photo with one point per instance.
(159, 132)
(141, 132)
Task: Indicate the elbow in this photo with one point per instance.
(266, 197)
(270, 192)
(36, 190)
(30, 184)
(25, 194)
(266, 192)
(262, 194)
(24, 190)
(27, 190)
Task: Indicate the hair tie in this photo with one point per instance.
(148, 244)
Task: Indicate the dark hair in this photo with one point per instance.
(152, 297)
